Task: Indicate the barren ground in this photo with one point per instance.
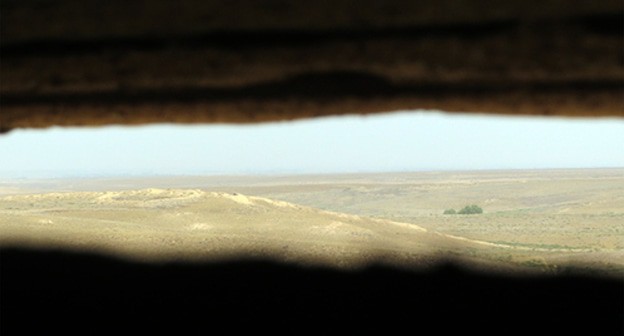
(545, 221)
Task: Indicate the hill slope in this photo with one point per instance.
(175, 223)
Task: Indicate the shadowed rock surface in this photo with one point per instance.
(50, 291)
(134, 62)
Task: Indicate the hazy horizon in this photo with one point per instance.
(394, 142)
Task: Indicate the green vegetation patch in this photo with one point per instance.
(467, 210)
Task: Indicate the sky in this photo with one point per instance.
(402, 141)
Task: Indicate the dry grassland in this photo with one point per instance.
(544, 221)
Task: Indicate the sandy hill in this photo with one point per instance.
(190, 223)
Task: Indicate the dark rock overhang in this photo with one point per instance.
(74, 63)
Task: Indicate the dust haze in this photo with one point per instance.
(544, 221)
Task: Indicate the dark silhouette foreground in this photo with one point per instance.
(54, 292)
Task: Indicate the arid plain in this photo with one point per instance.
(546, 221)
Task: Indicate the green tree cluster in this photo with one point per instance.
(467, 210)
(470, 210)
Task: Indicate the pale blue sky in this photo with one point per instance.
(391, 142)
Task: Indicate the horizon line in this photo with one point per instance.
(288, 174)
